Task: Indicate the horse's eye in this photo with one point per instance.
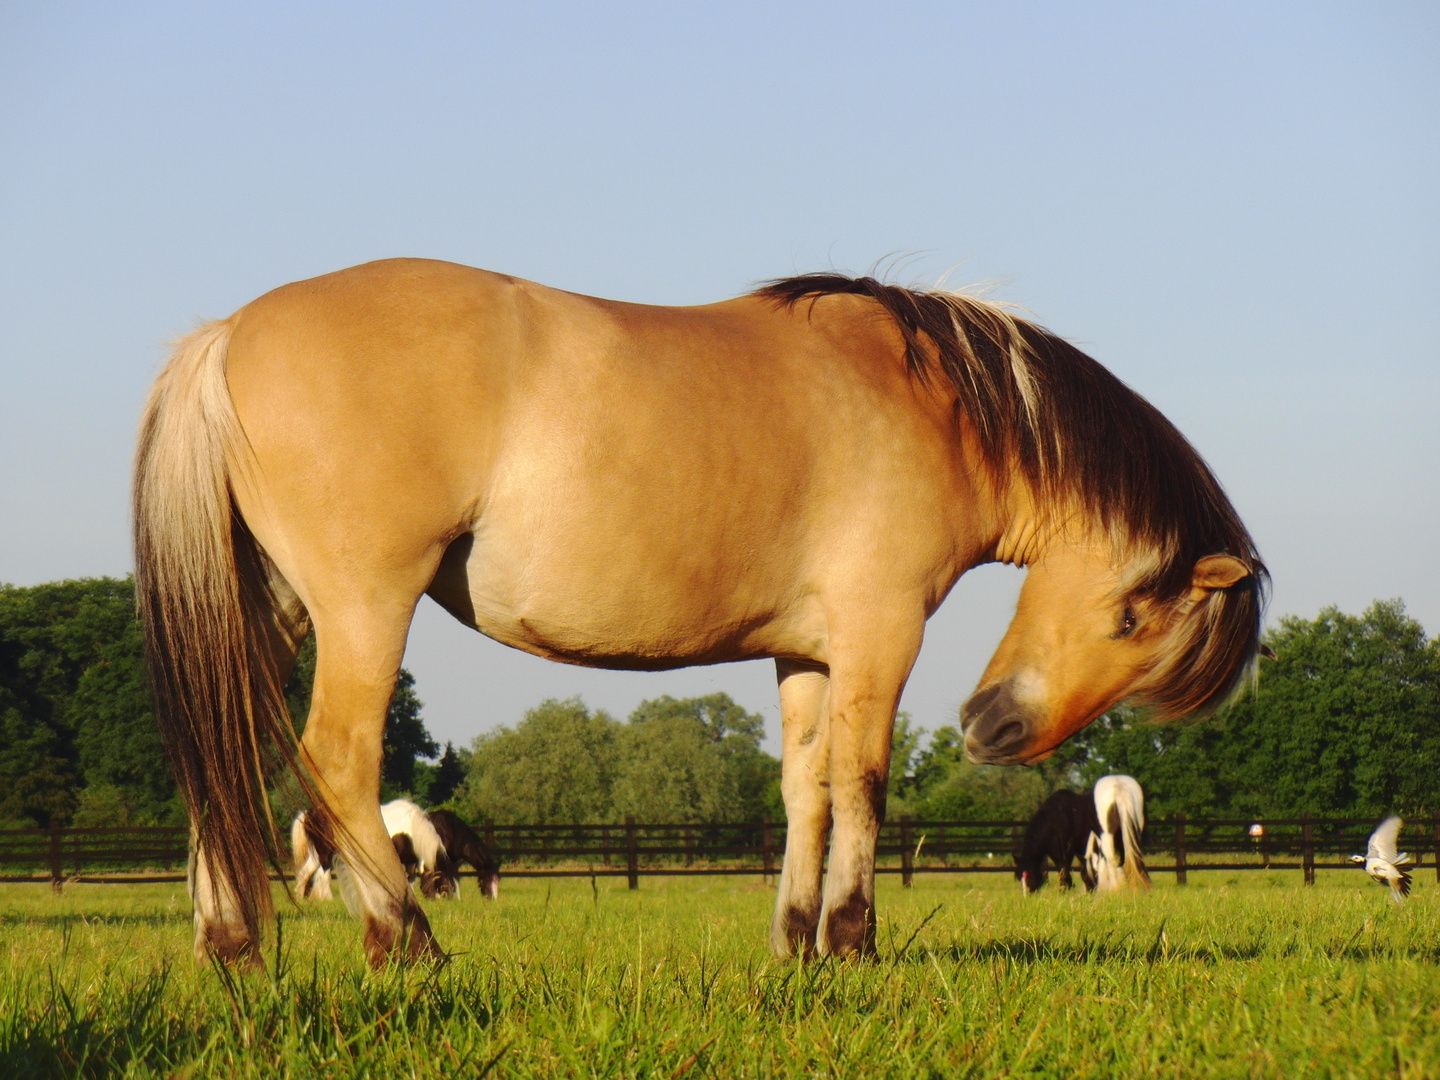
(1128, 623)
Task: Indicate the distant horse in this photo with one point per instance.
(314, 854)
(800, 473)
(463, 844)
(421, 852)
(1060, 831)
(1114, 855)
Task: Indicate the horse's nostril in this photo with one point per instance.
(1008, 734)
(997, 727)
(978, 705)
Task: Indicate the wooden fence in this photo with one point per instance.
(633, 851)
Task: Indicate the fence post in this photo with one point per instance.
(57, 871)
(1307, 852)
(1181, 877)
(907, 854)
(632, 856)
(767, 846)
(1437, 848)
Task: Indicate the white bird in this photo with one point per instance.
(1383, 863)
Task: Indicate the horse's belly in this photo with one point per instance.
(618, 605)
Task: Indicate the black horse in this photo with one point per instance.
(463, 844)
(1060, 831)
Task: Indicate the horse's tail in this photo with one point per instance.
(214, 632)
(1132, 823)
(302, 856)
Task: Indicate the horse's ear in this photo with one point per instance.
(1218, 572)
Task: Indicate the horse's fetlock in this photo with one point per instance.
(850, 926)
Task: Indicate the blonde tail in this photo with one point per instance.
(214, 634)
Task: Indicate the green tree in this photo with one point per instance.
(448, 775)
(905, 758)
(127, 777)
(944, 785)
(76, 724)
(37, 780)
(750, 786)
(405, 739)
(557, 765)
(670, 771)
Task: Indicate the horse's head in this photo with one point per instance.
(490, 885)
(1083, 640)
(1031, 874)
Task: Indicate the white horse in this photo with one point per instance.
(408, 824)
(1114, 856)
(313, 861)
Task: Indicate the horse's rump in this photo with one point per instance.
(1117, 858)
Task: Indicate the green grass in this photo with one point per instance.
(1238, 975)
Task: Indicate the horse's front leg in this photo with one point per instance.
(358, 657)
(805, 783)
(863, 700)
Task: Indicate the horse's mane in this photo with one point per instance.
(1044, 412)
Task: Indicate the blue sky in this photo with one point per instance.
(1233, 206)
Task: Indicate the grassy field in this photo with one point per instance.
(1235, 976)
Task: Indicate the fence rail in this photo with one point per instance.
(633, 850)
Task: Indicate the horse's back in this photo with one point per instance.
(728, 463)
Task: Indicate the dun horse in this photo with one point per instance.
(800, 473)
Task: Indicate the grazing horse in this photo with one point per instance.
(1061, 831)
(421, 852)
(314, 856)
(1114, 854)
(800, 473)
(463, 845)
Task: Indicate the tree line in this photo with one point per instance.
(1345, 722)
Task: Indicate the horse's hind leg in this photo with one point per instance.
(805, 783)
(358, 651)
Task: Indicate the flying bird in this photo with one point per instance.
(1383, 863)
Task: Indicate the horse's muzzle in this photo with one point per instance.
(997, 728)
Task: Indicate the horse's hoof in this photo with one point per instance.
(222, 945)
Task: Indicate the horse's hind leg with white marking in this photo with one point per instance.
(358, 651)
(805, 783)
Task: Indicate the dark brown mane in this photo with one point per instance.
(1081, 439)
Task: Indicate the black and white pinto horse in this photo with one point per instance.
(422, 843)
(1101, 829)
(464, 845)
